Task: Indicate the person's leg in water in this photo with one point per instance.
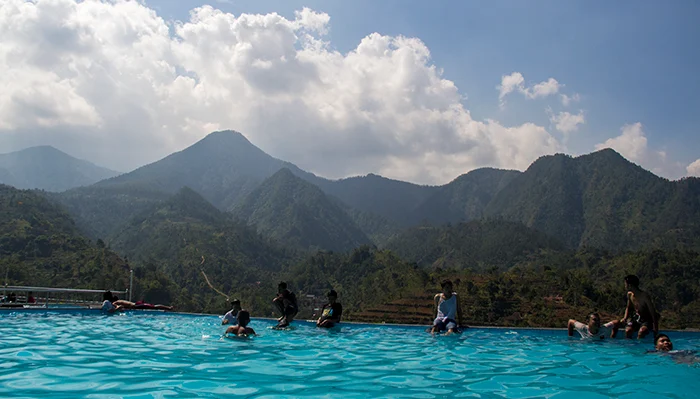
(289, 312)
(438, 325)
(643, 331)
(279, 306)
(451, 326)
(630, 329)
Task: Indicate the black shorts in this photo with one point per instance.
(291, 310)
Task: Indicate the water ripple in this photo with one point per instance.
(156, 355)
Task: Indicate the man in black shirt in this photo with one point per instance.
(286, 304)
(331, 312)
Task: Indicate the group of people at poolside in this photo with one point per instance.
(285, 303)
(640, 315)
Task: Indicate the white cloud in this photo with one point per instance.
(113, 82)
(511, 82)
(567, 100)
(543, 89)
(566, 122)
(516, 81)
(632, 143)
(694, 168)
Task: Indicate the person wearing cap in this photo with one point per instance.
(331, 312)
(230, 317)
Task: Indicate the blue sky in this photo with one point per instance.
(344, 88)
(631, 61)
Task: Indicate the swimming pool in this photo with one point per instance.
(69, 354)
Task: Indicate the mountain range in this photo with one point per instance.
(595, 200)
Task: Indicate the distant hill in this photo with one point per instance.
(187, 225)
(600, 200)
(391, 199)
(101, 211)
(47, 168)
(223, 167)
(295, 212)
(465, 198)
(473, 245)
(185, 235)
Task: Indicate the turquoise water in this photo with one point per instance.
(159, 355)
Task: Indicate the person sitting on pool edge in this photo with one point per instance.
(230, 316)
(331, 312)
(593, 328)
(286, 304)
(640, 314)
(447, 310)
(121, 303)
(241, 328)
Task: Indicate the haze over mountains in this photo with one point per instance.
(599, 199)
(48, 169)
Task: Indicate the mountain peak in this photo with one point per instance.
(230, 135)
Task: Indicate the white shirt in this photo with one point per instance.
(604, 331)
(230, 317)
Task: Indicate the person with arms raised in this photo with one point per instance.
(640, 314)
(593, 329)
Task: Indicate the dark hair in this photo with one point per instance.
(658, 337)
(236, 301)
(596, 315)
(332, 293)
(632, 280)
(107, 296)
(445, 282)
(282, 285)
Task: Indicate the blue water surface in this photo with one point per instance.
(69, 354)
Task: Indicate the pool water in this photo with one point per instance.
(65, 354)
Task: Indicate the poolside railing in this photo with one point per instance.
(61, 296)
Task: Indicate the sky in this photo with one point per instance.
(413, 90)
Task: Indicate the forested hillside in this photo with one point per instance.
(474, 245)
(601, 200)
(297, 213)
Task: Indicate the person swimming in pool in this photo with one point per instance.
(663, 345)
(230, 316)
(331, 312)
(593, 328)
(640, 314)
(286, 305)
(448, 313)
(241, 329)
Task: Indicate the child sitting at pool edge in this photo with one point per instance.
(331, 312)
(447, 310)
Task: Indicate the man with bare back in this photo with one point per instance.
(640, 315)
